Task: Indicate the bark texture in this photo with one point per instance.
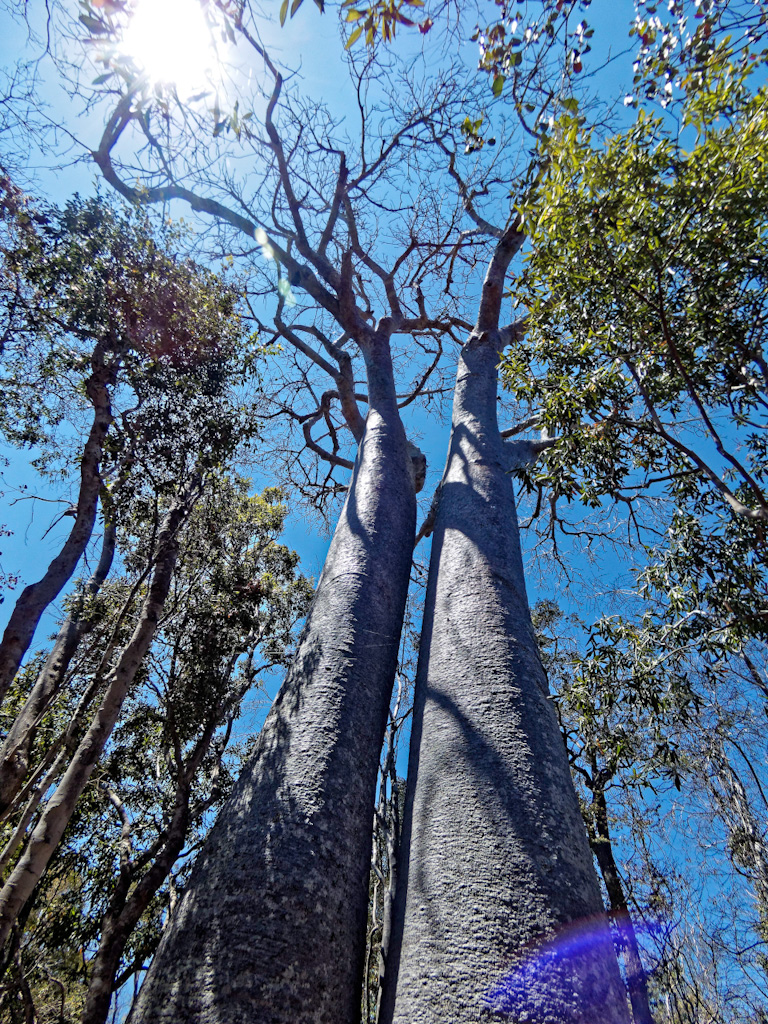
(272, 925)
(498, 911)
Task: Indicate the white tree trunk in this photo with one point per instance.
(15, 751)
(35, 598)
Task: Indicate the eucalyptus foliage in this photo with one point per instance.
(644, 355)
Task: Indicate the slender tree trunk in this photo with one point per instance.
(748, 849)
(134, 891)
(44, 776)
(125, 909)
(36, 597)
(619, 912)
(272, 925)
(391, 837)
(14, 754)
(53, 821)
(498, 911)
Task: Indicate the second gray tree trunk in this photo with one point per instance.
(498, 911)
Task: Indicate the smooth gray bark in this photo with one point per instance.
(272, 925)
(498, 911)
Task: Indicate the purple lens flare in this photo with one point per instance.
(571, 958)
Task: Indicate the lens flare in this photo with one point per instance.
(573, 952)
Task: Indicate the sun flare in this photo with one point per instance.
(171, 42)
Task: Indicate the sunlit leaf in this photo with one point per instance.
(355, 35)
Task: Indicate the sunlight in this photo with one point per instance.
(171, 41)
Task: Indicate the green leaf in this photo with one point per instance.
(283, 12)
(295, 6)
(498, 85)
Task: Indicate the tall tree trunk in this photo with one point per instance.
(15, 751)
(36, 597)
(602, 848)
(272, 925)
(126, 906)
(498, 910)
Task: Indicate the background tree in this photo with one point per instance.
(679, 47)
(388, 812)
(150, 321)
(174, 395)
